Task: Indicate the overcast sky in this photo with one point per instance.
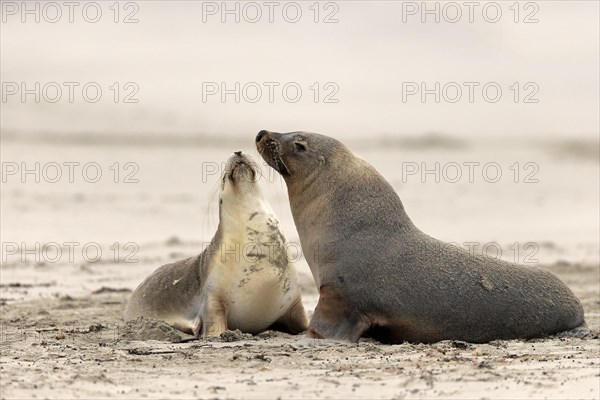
(370, 61)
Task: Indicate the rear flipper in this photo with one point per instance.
(581, 332)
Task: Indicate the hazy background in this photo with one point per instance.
(171, 134)
(368, 53)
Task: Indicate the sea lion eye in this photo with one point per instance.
(299, 146)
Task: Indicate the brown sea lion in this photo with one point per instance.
(379, 275)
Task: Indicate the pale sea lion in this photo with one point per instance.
(380, 276)
(243, 280)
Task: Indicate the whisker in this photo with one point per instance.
(207, 221)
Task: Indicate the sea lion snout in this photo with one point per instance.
(269, 146)
(268, 138)
(240, 167)
(260, 135)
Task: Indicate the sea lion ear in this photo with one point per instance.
(300, 147)
(321, 160)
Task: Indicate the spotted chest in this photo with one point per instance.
(257, 285)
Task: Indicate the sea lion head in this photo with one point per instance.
(298, 156)
(239, 179)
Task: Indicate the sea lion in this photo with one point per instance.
(380, 276)
(243, 280)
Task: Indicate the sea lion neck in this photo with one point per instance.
(342, 197)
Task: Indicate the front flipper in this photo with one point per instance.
(190, 327)
(294, 321)
(336, 317)
(214, 318)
